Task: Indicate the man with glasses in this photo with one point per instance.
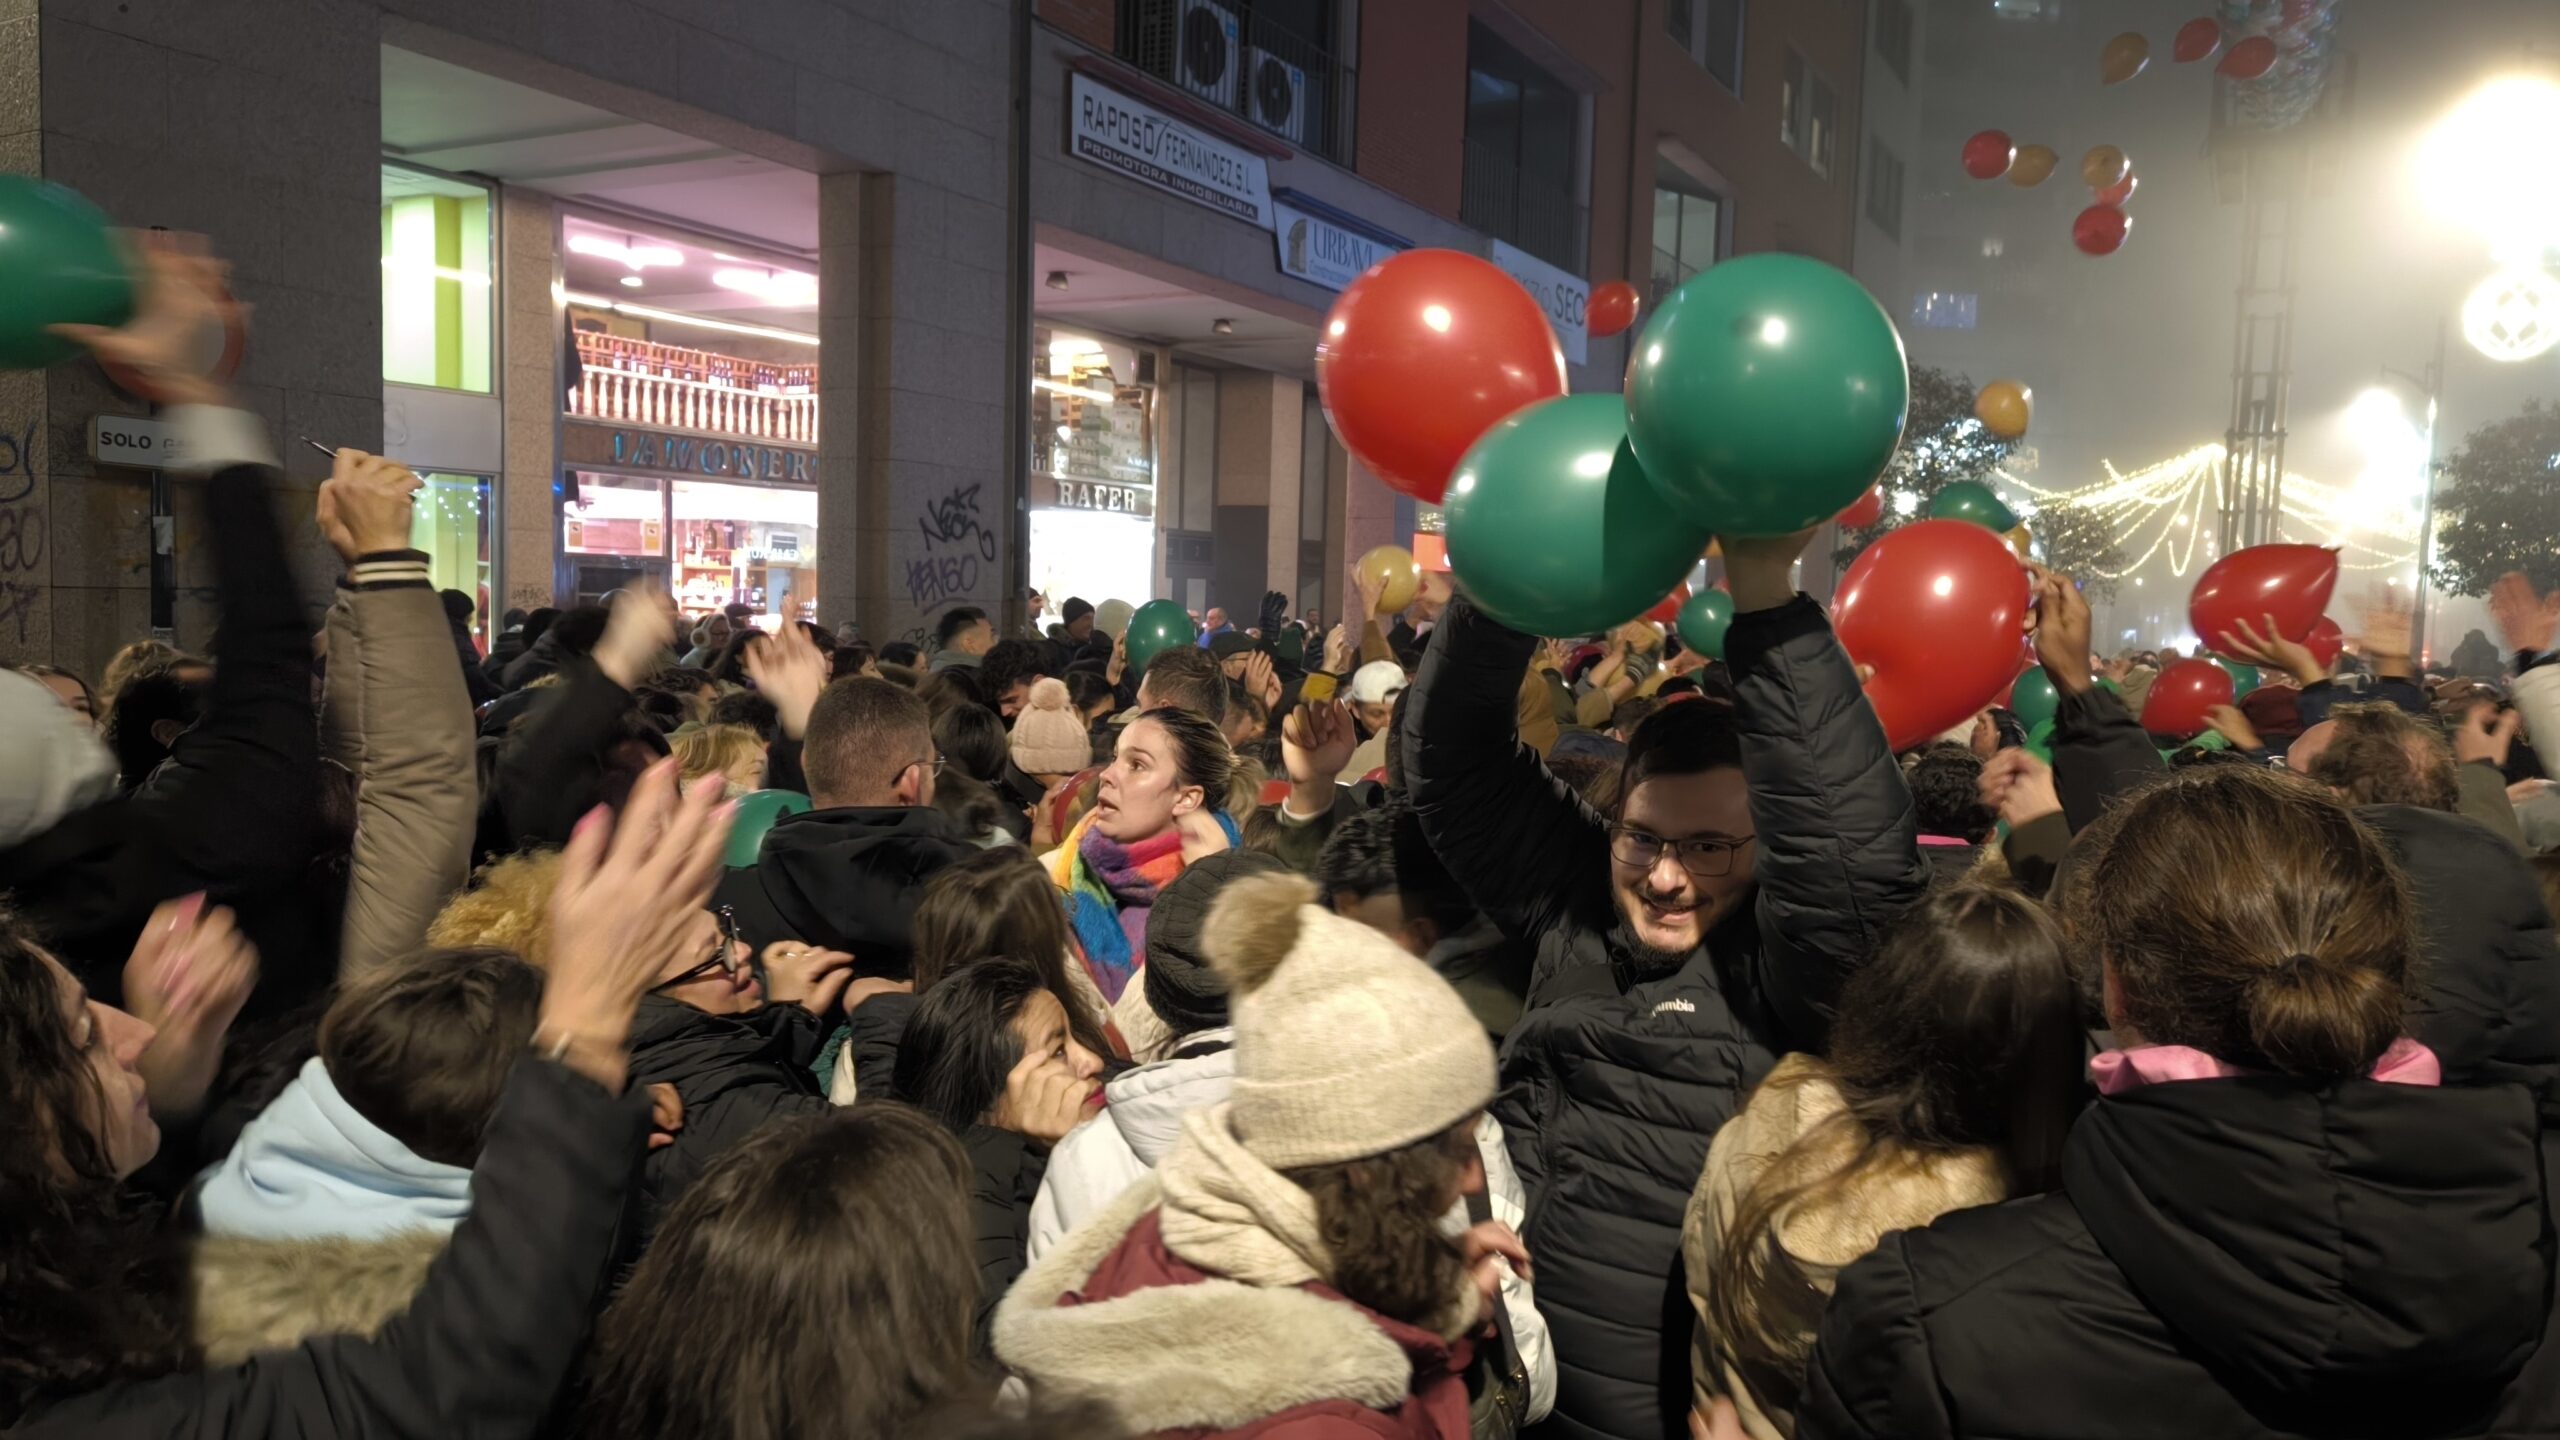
(1682, 944)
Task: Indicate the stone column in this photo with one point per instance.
(530, 333)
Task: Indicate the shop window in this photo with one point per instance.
(1687, 227)
(744, 545)
(438, 302)
(1523, 152)
(614, 530)
(450, 522)
(1807, 113)
(1092, 517)
(1711, 32)
(1893, 29)
(1884, 187)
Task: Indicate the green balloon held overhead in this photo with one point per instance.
(1973, 501)
(1158, 626)
(60, 264)
(1766, 394)
(2033, 699)
(756, 814)
(2244, 678)
(1553, 526)
(1704, 620)
(2040, 741)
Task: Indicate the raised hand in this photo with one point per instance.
(1260, 680)
(2018, 787)
(188, 976)
(365, 505)
(180, 294)
(1338, 653)
(1316, 741)
(2528, 621)
(2061, 625)
(2486, 733)
(640, 629)
(2270, 648)
(805, 975)
(2227, 722)
(1761, 571)
(788, 670)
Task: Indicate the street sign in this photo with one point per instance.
(133, 440)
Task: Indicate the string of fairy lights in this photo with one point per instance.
(2170, 509)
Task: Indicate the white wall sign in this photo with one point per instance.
(1315, 249)
(135, 441)
(1565, 296)
(1149, 146)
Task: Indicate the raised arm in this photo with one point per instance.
(2099, 749)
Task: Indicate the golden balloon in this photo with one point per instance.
(2021, 542)
(2124, 58)
(2104, 166)
(2005, 408)
(1393, 569)
(2035, 165)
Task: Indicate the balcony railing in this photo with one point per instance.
(1222, 54)
(641, 382)
(1492, 197)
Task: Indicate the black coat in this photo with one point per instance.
(2229, 1258)
(1614, 1084)
(1005, 1170)
(481, 687)
(847, 879)
(733, 1072)
(490, 1338)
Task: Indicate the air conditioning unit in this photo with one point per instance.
(1278, 94)
(1204, 55)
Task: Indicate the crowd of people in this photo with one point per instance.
(1410, 1028)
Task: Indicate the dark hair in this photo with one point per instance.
(973, 805)
(955, 620)
(1593, 778)
(972, 738)
(1383, 851)
(578, 630)
(1690, 738)
(457, 606)
(537, 622)
(2383, 755)
(1086, 689)
(1380, 1219)
(1000, 902)
(422, 1048)
(168, 693)
(1186, 677)
(513, 619)
(1200, 753)
(1946, 791)
(1008, 663)
(850, 658)
(90, 1285)
(1243, 704)
(729, 662)
(1631, 712)
(817, 1279)
(2250, 915)
(747, 708)
(1963, 1032)
(959, 1044)
(901, 652)
(680, 679)
(862, 734)
(949, 687)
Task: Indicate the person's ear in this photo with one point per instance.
(165, 733)
(1421, 935)
(1189, 799)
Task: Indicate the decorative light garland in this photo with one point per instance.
(2182, 493)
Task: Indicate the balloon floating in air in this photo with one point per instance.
(1613, 308)
(2022, 543)
(2005, 408)
(1987, 156)
(2125, 57)
(2115, 196)
(2197, 40)
(2033, 699)
(1974, 503)
(2103, 166)
(2251, 59)
(2101, 230)
(2289, 582)
(1158, 626)
(2181, 695)
(1864, 511)
(1704, 621)
(1935, 608)
(2034, 166)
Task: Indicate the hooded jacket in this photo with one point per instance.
(2236, 1257)
(733, 1073)
(1614, 1081)
(847, 878)
(311, 1166)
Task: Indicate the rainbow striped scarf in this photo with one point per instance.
(1109, 889)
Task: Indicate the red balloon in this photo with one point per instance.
(1987, 156)
(2290, 582)
(2101, 229)
(2115, 195)
(1935, 608)
(1425, 353)
(2325, 641)
(1612, 308)
(1668, 612)
(2249, 59)
(1866, 510)
(2197, 40)
(2180, 696)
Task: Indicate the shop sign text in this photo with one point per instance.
(1153, 148)
(1060, 493)
(731, 459)
(1317, 250)
(1565, 296)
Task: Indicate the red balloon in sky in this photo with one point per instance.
(2325, 641)
(2249, 59)
(2180, 696)
(1425, 353)
(1612, 309)
(2290, 582)
(2115, 195)
(2197, 39)
(1935, 608)
(1987, 156)
(1668, 612)
(2101, 229)
(1866, 510)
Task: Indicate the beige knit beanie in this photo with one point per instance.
(1048, 739)
(1346, 1046)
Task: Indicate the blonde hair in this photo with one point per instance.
(142, 657)
(508, 907)
(713, 749)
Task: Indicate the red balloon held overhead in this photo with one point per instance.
(2251, 59)
(2290, 582)
(2180, 696)
(1935, 608)
(2115, 196)
(2197, 40)
(1987, 156)
(2101, 229)
(1425, 353)
(1866, 510)
(1668, 611)
(2325, 641)
(1612, 309)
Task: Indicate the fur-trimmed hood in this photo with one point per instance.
(252, 1295)
(1211, 1354)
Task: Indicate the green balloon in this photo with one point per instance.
(1704, 620)
(1553, 526)
(1972, 500)
(62, 266)
(2040, 741)
(1158, 626)
(756, 813)
(1766, 394)
(2244, 678)
(2111, 687)
(2033, 699)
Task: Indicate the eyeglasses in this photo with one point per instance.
(723, 961)
(1707, 857)
(933, 764)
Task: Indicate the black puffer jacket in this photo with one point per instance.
(733, 1072)
(2243, 1257)
(847, 878)
(1613, 1086)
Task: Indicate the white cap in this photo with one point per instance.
(1377, 682)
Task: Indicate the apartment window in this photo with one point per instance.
(1945, 310)
(1807, 113)
(1687, 227)
(1893, 36)
(1524, 136)
(1711, 31)
(1884, 187)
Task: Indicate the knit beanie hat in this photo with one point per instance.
(1346, 1046)
(1048, 738)
(1076, 608)
(52, 765)
(1184, 990)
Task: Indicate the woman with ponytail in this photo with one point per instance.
(2274, 1221)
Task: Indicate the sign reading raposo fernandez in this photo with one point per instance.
(1154, 148)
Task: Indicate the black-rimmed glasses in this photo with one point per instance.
(723, 961)
(1707, 857)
